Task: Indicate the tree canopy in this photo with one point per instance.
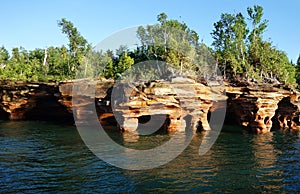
(239, 50)
(298, 72)
(175, 43)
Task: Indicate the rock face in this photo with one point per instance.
(88, 93)
(176, 105)
(254, 107)
(288, 113)
(21, 101)
(169, 106)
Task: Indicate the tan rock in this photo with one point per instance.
(256, 107)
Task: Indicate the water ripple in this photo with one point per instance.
(40, 157)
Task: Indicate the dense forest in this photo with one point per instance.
(239, 50)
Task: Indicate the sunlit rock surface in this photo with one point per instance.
(256, 108)
(31, 101)
(184, 103)
(177, 105)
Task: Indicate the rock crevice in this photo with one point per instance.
(256, 108)
(171, 106)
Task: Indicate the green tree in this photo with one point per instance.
(18, 67)
(240, 31)
(208, 63)
(56, 65)
(255, 46)
(98, 64)
(36, 58)
(78, 45)
(298, 71)
(4, 60)
(124, 63)
(243, 50)
(229, 35)
(4, 56)
(169, 40)
(107, 61)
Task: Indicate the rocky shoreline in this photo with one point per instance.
(178, 103)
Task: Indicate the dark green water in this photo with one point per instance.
(40, 157)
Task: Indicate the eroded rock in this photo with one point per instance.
(184, 103)
(288, 113)
(31, 101)
(175, 105)
(254, 107)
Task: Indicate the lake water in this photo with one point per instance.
(40, 157)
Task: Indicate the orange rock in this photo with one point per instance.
(257, 107)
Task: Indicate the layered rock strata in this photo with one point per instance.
(20, 101)
(157, 105)
(287, 115)
(181, 104)
(89, 97)
(172, 106)
(256, 108)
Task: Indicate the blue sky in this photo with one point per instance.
(33, 23)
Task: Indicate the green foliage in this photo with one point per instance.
(17, 67)
(103, 64)
(238, 47)
(173, 42)
(53, 63)
(229, 41)
(125, 62)
(37, 65)
(241, 50)
(298, 72)
(78, 46)
(4, 55)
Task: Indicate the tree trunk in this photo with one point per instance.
(225, 69)
(85, 69)
(45, 58)
(180, 67)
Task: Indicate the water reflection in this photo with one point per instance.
(265, 155)
(236, 162)
(41, 157)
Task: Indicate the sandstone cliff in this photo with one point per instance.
(174, 105)
(35, 101)
(258, 107)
